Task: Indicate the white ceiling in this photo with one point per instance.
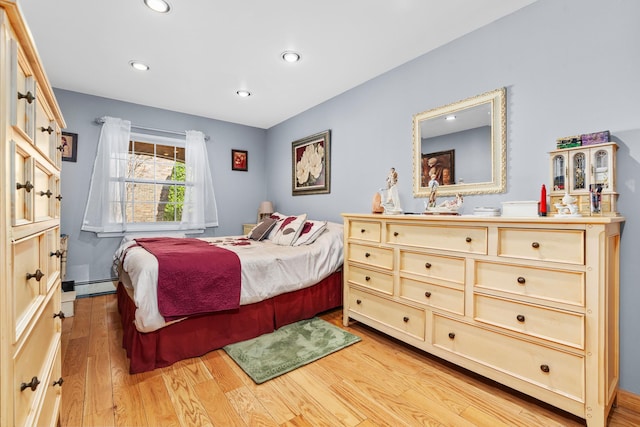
(203, 51)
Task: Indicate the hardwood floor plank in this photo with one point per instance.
(377, 382)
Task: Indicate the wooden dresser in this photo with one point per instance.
(531, 303)
(30, 317)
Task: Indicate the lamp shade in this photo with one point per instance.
(266, 207)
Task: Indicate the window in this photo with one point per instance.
(155, 180)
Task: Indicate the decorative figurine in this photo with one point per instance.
(392, 201)
(433, 186)
(568, 206)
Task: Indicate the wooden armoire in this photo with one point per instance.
(30, 161)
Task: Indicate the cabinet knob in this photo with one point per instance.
(427, 265)
(405, 319)
(48, 193)
(520, 318)
(49, 129)
(362, 230)
(367, 278)
(535, 245)
(33, 384)
(544, 368)
(27, 186)
(56, 254)
(60, 148)
(358, 301)
(28, 96)
(452, 335)
(521, 280)
(367, 255)
(468, 240)
(59, 382)
(427, 294)
(37, 275)
(395, 234)
(59, 197)
(60, 314)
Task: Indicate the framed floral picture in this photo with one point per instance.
(311, 164)
(69, 144)
(239, 160)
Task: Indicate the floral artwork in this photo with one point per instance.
(311, 167)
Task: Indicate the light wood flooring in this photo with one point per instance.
(376, 382)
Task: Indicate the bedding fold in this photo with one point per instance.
(194, 277)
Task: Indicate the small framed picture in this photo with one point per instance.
(69, 144)
(239, 160)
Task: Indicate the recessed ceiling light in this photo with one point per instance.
(290, 56)
(158, 5)
(450, 118)
(243, 93)
(139, 65)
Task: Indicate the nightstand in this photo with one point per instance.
(246, 228)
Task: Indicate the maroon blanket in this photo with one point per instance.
(194, 277)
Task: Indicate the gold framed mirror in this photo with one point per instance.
(463, 146)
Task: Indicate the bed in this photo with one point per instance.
(279, 284)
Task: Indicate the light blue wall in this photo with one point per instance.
(237, 193)
(569, 66)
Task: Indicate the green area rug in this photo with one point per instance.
(288, 348)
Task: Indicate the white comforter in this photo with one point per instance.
(267, 270)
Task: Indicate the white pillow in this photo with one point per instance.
(310, 232)
(279, 218)
(289, 230)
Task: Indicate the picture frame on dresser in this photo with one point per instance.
(311, 164)
(69, 144)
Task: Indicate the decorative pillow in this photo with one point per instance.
(279, 218)
(289, 230)
(262, 230)
(310, 232)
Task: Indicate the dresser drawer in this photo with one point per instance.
(560, 326)
(404, 318)
(35, 358)
(545, 245)
(430, 266)
(551, 369)
(53, 395)
(451, 238)
(545, 284)
(432, 295)
(44, 193)
(53, 256)
(45, 131)
(379, 281)
(371, 255)
(22, 186)
(365, 230)
(27, 292)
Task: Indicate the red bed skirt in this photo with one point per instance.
(199, 335)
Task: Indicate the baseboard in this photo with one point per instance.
(95, 288)
(628, 400)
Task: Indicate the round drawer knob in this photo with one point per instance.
(405, 319)
(33, 384)
(535, 245)
(520, 318)
(28, 96)
(468, 240)
(521, 280)
(60, 314)
(59, 382)
(27, 186)
(396, 234)
(367, 278)
(452, 335)
(48, 193)
(56, 254)
(49, 129)
(427, 265)
(544, 368)
(358, 301)
(59, 197)
(362, 230)
(37, 275)
(367, 255)
(427, 294)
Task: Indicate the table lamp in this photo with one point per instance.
(265, 210)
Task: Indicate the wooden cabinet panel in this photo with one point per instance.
(364, 230)
(373, 279)
(22, 186)
(545, 245)
(28, 280)
(442, 297)
(450, 269)
(460, 239)
(371, 255)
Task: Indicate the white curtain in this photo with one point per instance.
(105, 211)
(199, 209)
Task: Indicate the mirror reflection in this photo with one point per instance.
(462, 146)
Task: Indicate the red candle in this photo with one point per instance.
(543, 201)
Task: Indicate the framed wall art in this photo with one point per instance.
(440, 164)
(69, 144)
(311, 164)
(239, 160)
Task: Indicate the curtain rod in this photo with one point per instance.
(100, 120)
